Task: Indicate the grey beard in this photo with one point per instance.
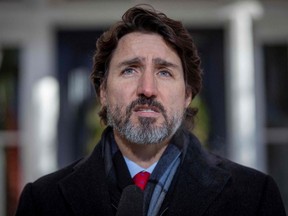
(145, 132)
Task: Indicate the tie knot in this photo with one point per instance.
(141, 179)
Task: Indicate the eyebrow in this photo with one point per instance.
(157, 61)
(164, 63)
(132, 61)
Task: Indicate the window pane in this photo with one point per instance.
(8, 88)
(9, 150)
(276, 79)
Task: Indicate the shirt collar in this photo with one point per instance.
(134, 168)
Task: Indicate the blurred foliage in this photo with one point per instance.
(94, 125)
(202, 120)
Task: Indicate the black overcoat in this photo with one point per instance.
(205, 185)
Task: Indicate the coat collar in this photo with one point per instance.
(199, 181)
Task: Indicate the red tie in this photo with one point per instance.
(141, 179)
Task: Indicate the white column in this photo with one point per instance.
(39, 103)
(241, 94)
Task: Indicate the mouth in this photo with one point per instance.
(147, 109)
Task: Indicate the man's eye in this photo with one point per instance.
(128, 71)
(165, 73)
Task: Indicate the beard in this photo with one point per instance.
(145, 131)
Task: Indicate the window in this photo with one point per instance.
(9, 188)
(276, 92)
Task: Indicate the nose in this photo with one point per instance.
(147, 85)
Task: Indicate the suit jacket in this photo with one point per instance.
(204, 185)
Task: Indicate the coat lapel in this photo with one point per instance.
(198, 183)
(85, 189)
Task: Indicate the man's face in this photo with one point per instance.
(145, 92)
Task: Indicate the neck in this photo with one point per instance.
(143, 155)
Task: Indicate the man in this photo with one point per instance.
(146, 72)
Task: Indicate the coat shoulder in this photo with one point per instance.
(56, 176)
(249, 190)
(237, 170)
(43, 197)
(244, 191)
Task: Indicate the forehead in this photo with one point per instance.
(145, 46)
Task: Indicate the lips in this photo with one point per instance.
(147, 109)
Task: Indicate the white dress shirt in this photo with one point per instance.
(135, 168)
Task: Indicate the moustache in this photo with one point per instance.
(145, 101)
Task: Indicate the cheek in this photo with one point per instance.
(118, 97)
(179, 99)
(175, 106)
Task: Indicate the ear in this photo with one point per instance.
(188, 98)
(103, 95)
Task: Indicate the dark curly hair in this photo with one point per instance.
(144, 18)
